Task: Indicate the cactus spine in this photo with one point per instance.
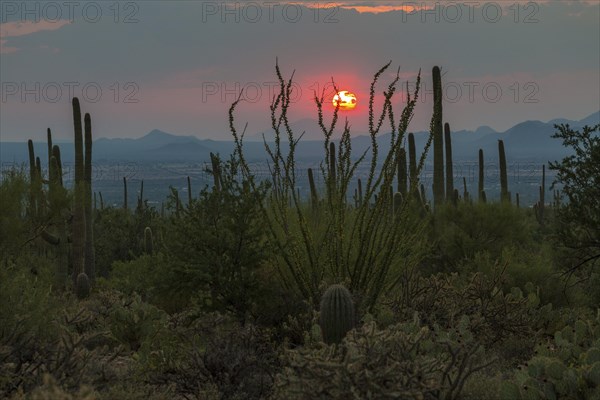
(337, 314)
(504, 196)
(438, 138)
(449, 166)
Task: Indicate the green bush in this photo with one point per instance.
(217, 246)
(464, 230)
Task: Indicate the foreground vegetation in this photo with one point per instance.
(247, 291)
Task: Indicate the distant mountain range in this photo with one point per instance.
(529, 140)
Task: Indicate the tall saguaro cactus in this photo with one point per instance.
(504, 196)
(438, 139)
(480, 187)
(402, 173)
(449, 166)
(314, 197)
(412, 162)
(79, 229)
(90, 258)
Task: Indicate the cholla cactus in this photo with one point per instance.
(337, 314)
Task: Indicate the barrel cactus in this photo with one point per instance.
(337, 314)
(82, 286)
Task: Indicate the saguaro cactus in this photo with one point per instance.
(542, 201)
(190, 197)
(449, 166)
(438, 139)
(402, 173)
(78, 226)
(504, 196)
(412, 162)
(480, 188)
(337, 314)
(82, 286)
(90, 258)
(314, 197)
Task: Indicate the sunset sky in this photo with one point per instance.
(178, 65)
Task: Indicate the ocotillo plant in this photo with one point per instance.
(337, 314)
(328, 246)
(449, 166)
(78, 225)
(90, 258)
(438, 139)
(504, 196)
(480, 187)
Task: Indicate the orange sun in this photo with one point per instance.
(345, 99)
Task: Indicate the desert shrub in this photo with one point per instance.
(495, 314)
(14, 190)
(215, 357)
(51, 390)
(67, 349)
(528, 269)
(464, 230)
(217, 246)
(406, 361)
(118, 235)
